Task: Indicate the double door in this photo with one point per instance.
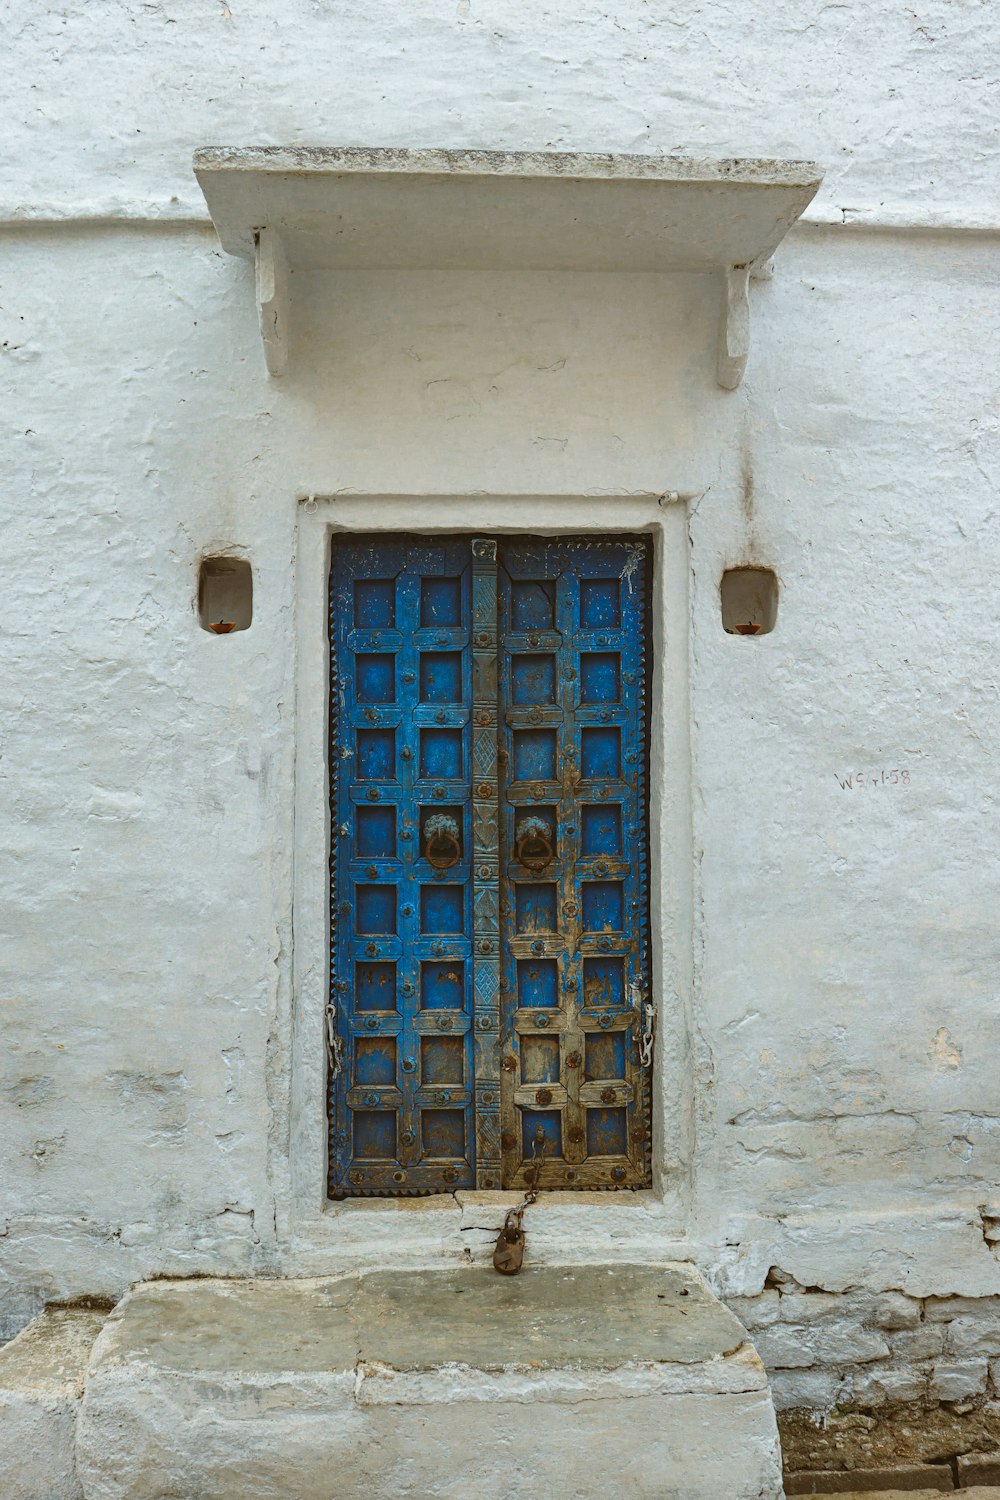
(488, 1021)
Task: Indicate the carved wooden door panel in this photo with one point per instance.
(574, 902)
(489, 905)
(402, 1117)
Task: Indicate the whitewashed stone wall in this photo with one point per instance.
(869, 1349)
(836, 1095)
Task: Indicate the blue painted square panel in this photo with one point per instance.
(376, 755)
(374, 1134)
(374, 986)
(538, 982)
(604, 981)
(600, 754)
(375, 673)
(600, 603)
(440, 601)
(539, 1059)
(535, 754)
(376, 832)
(600, 677)
(535, 907)
(607, 1132)
(375, 1060)
(600, 829)
(443, 1133)
(441, 677)
(533, 604)
(442, 1061)
(541, 1134)
(533, 678)
(375, 912)
(442, 908)
(374, 602)
(603, 905)
(442, 985)
(605, 1055)
(441, 754)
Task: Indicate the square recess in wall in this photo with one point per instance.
(225, 594)
(749, 598)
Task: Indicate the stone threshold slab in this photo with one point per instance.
(590, 1318)
(435, 1383)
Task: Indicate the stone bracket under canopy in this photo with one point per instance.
(306, 208)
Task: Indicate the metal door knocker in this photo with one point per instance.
(442, 843)
(533, 844)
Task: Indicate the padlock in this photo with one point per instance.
(508, 1252)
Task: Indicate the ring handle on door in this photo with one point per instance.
(442, 842)
(533, 844)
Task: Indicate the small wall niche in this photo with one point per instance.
(749, 598)
(225, 594)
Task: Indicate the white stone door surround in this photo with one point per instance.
(318, 1232)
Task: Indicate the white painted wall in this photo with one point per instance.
(842, 1027)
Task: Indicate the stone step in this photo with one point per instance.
(41, 1385)
(916, 1482)
(932, 1479)
(433, 1385)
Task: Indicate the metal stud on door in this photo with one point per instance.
(489, 924)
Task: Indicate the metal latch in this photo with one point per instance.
(647, 1023)
(508, 1252)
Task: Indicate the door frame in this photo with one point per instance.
(306, 1218)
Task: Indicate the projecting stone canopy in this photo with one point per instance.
(302, 208)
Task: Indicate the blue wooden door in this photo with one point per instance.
(489, 909)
